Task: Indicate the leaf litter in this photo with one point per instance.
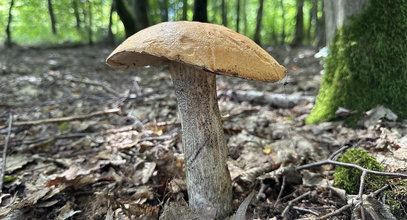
(129, 165)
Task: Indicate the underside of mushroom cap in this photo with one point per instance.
(211, 47)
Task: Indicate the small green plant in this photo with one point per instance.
(396, 199)
(349, 178)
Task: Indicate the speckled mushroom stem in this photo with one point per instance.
(205, 151)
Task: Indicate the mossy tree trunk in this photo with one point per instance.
(367, 62)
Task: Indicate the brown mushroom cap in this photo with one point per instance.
(211, 47)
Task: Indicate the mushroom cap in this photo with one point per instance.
(211, 47)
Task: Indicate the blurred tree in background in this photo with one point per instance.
(274, 22)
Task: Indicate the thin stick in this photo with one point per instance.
(324, 162)
(360, 195)
(3, 168)
(291, 203)
(64, 119)
(305, 210)
(280, 193)
(93, 83)
(343, 208)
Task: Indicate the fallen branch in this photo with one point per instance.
(64, 119)
(277, 100)
(3, 167)
(280, 193)
(365, 171)
(305, 210)
(292, 202)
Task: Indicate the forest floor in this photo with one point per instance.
(113, 149)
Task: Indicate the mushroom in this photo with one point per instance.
(195, 53)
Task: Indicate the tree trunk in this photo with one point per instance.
(141, 9)
(299, 24)
(205, 151)
(185, 10)
(110, 36)
(9, 20)
(52, 17)
(200, 11)
(224, 13)
(164, 10)
(258, 22)
(76, 13)
(366, 64)
(313, 17)
(283, 34)
(320, 28)
(126, 18)
(237, 15)
(244, 17)
(338, 12)
(90, 23)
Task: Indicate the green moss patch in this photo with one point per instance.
(367, 63)
(349, 178)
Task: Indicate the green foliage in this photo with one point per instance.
(349, 178)
(31, 21)
(367, 63)
(396, 199)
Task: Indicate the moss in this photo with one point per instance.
(349, 178)
(396, 199)
(367, 63)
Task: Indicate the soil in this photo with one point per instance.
(128, 163)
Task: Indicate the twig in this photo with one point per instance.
(64, 119)
(342, 149)
(291, 203)
(325, 162)
(93, 83)
(340, 210)
(362, 177)
(280, 193)
(377, 192)
(3, 168)
(360, 195)
(305, 210)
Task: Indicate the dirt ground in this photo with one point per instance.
(114, 149)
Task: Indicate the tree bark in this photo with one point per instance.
(200, 11)
(313, 17)
(76, 13)
(237, 15)
(164, 10)
(337, 14)
(185, 10)
(283, 34)
(8, 42)
(244, 17)
(258, 22)
(126, 18)
(224, 13)
(366, 63)
(110, 36)
(52, 17)
(320, 28)
(299, 24)
(90, 23)
(141, 9)
(205, 151)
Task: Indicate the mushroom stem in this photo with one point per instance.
(205, 151)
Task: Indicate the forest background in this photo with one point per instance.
(89, 21)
